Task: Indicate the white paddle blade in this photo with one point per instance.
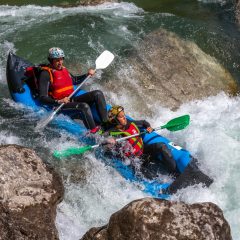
(104, 60)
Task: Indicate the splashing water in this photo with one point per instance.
(93, 191)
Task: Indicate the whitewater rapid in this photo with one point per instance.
(212, 137)
(93, 191)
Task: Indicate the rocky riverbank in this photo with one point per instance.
(31, 190)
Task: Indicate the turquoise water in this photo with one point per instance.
(94, 191)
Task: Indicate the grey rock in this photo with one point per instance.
(30, 191)
(86, 3)
(171, 71)
(154, 219)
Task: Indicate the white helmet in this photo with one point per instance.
(55, 52)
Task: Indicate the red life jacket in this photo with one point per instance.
(61, 82)
(136, 142)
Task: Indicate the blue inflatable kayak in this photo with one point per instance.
(189, 173)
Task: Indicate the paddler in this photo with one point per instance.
(56, 84)
(120, 126)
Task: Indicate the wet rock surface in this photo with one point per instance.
(94, 2)
(86, 3)
(29, 193)
(154, 219)
(169, 70)
(237, 11)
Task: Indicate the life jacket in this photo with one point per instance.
(61, 81)
(136, 142)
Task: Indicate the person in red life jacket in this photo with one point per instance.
(120, 126)
(55, 84)
(151, 165)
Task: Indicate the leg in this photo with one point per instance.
(153, 150)
(95, 97)
(191, 175)
(85, 111)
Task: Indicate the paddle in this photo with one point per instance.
(101, 63)
(175, 124)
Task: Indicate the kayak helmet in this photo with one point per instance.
(55, 52)
(113, 113)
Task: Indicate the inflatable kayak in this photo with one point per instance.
(189, 174)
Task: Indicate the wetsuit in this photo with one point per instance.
(151, 163)
(191, 175)
(79, 104)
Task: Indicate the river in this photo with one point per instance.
(94, 191)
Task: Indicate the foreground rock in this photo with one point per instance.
(169, 71)
(155, 219)
(29, 193)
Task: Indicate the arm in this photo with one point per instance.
(144, 124)
(108, 139)
(79, 79)
(44, 82)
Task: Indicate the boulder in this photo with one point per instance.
(169, 71)
(29, 193)
(154, 219)
(86, 3)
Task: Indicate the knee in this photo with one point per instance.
(98, 93)
(161, 150)
(83, 107)
(166, 151)
(162, 147)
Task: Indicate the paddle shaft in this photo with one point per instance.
(71, 95)
(132, 136)
(124, 138)
(135, 135)
(172, 125)
(128, 137)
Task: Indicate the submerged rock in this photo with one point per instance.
(94, 2)
(86, 3)
(154, 219)
(29, 193)
(169, 71)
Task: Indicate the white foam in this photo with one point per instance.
(9, 138)
(92, 202)
(222, 2)
(34, 11)
(213, 136)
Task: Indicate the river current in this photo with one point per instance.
(94, 191)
